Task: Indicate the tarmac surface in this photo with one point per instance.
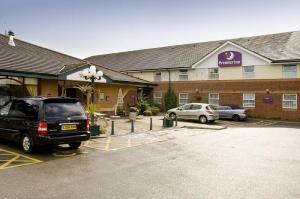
(239, 162)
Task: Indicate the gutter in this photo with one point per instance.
(27, 74)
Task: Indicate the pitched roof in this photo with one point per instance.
(26, 57)
(115, 76)
(275, 47)
(30, 58)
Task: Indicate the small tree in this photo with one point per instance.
(170, 99)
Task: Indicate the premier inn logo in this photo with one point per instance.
(229, 58)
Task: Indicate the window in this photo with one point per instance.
(5, 108)
(157, 98)
(183, 74)
(249, 100)
(63, 110)
(248, 72)
(213, 73)
(196, 107)
(213, 99)
(289, 71)
(21, 108)
(157, 76)
(289, 101)
(183, 98)
(187, 107)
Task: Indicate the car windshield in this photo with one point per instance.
(63, 110)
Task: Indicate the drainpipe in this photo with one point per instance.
(169, 79)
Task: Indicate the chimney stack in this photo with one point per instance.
(11, 35)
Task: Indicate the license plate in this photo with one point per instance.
(68, 127)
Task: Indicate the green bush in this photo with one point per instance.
(154, 110)
(142, 103)
(170, 99)
(147, 113)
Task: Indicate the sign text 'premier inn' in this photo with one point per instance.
(230, 58)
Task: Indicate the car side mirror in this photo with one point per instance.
(180, 109)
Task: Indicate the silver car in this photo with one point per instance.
(195, 111)
(231, 112)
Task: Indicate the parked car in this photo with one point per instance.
(233, 112)
(44, 121)
(194, 111)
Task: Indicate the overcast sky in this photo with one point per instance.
(88, 27)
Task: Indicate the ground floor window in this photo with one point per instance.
(213, 99)
(17, 87)
(289, 101)
(183, 98)
(157, 98)
(249, 100)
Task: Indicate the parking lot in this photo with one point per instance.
(246, 160)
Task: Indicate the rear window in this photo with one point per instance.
(210, 107)
(63, 110)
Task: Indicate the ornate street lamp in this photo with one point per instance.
(92, 74)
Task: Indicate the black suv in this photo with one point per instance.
(44, 121)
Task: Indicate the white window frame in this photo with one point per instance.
(156, 75)
(157, 99)
(248, 104)
(295, 101)
(212, 74)
(185, 100)
(249, 75)
(183, 74)
(214, 100)
(286, 74)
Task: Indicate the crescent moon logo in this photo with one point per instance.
(229, 56)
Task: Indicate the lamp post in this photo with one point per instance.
(92, 74)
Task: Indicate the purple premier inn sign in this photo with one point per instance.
(230, 58)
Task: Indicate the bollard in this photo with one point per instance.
(112, 127)
(176, 120)
(132, 126)
(150, 123)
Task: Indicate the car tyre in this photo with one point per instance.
(172, 116)
(74, 145)
(203, 119)
(236, 118)
(27, 143)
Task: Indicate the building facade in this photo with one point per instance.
(261, 74)
(30, 70)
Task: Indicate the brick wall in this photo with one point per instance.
(231, 92)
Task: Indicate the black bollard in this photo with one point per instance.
(150, 123)
(132, 126)
(112, 127)
(176, 120)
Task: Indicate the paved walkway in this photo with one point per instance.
(142, 124)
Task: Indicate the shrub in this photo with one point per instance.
(154, 110)
(142, 103)
(170, 99)
(147, 113)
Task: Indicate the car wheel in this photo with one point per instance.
(27, 143)
(203, 119)
(172, 116)
(74, 145)
(236, 118)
